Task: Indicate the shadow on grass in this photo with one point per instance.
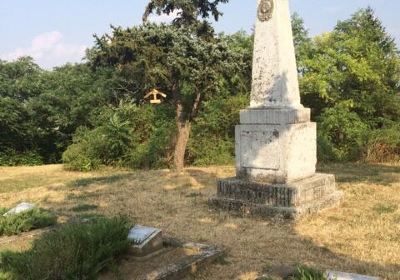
(84, 207)
(98, 180)
(248, 241)
(362, 173)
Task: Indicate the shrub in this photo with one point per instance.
(212, 140)
(10, 157)
(25, 221)
(76, 251)
(383, 145)
(341, 134)
(82, 155)
(129, 136)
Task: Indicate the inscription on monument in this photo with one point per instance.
(260, 147)
(265, 10)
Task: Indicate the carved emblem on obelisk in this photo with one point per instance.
(265, 10)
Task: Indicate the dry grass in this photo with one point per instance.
(363, 235)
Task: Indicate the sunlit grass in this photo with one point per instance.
(361, 236)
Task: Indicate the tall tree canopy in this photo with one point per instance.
(190, 13)
(350, 77)
(172, 59)
(356, 64)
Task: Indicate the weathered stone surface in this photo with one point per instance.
(200, 256)
(290, 200)
(275, 115)
(276, 153)
(275, 81)
(335, 275)
(146, 240)
(20, 208)
(278, 195)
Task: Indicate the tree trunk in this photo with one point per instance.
(184, 128)
(184, 125)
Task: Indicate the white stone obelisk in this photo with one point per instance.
(275, 81)
(275, 147)
(276, 141)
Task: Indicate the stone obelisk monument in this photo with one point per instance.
(275, 141)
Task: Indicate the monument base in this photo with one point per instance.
(289, 200)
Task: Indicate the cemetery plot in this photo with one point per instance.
(174, 260)
(177, 204)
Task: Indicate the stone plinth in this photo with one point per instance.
(275, 167)
(290, 200)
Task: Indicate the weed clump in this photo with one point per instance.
(75, 251)
(25, 221)
(308, 273)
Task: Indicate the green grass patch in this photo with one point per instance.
(84, 207)
(25, 221)
(385, 208)
(75, 251)
(308, 273)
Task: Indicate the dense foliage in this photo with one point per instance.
(75, 251)
(128, 135)
(350, 78)
(96, 111)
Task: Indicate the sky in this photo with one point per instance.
(55, 32)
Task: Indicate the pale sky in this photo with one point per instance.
(54, 32)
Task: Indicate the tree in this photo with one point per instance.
(350, 78)
(190, 13)
(357, 64)
(172, 59)
(20, 81)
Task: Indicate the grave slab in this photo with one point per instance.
(20, 208)
(336, 275)
(146, 240)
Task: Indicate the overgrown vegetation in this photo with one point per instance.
(307, 273)
(129, 135)
(95, 112)
(350, 78)
(25, 221)
(76, 251)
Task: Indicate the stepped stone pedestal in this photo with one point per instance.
(275, 141)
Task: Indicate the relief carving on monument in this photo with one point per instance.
(265, 10)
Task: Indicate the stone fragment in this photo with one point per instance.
(336, 275)
(20, 208)
(146, 240)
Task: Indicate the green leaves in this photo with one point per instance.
(172, 59)
(190, 13)
(358, 61)
(25, 221)
(75, 251)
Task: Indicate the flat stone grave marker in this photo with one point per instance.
(146, 240)
(336, 275)
(20, 208)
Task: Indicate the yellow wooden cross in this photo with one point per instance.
(154, 96)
